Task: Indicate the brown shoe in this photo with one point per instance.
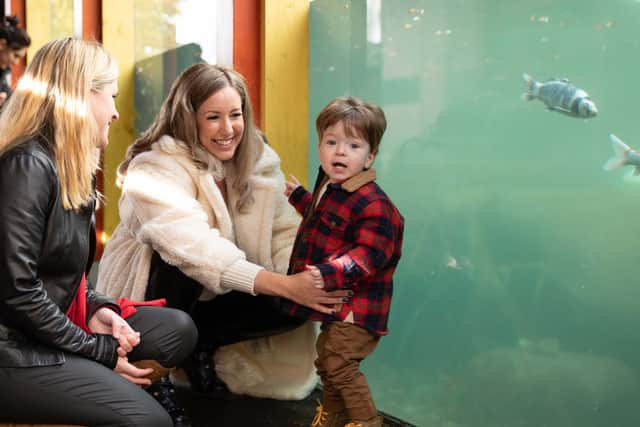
(326, 418)
(159, 371)
(371, 422)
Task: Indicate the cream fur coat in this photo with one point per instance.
(169, 206)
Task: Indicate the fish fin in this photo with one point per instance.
(564, 80)
(614, 163)
(636, 171)
(532, 87)
(619, 147)
(560, 110)
(620, 150)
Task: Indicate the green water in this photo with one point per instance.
(517, 299)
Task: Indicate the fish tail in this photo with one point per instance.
(619, 158)
(532, 87)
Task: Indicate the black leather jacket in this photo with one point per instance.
(44, 250)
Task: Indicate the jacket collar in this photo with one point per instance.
(350, 185)
(357, 181)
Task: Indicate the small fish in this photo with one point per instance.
(623, 155)
(452, 263)
(561, 96)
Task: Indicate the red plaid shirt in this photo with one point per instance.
(354, 237)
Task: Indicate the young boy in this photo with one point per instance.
(351, 234)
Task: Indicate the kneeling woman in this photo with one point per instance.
(205, 224)
(65, 352)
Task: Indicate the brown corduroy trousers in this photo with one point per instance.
(341, 347)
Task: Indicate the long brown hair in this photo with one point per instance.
(177, 118)
(51, 103)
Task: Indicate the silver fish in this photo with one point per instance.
(623, 155)
(561, 96)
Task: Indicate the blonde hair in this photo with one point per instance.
(177, 118)
(51, 104)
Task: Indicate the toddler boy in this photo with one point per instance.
(351, 233)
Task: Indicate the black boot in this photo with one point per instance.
(202, 374)
(165, 393)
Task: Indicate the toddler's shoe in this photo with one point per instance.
(371, 422)
(328, 418)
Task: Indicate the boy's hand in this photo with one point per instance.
(306, 288)
(316, 276)
(289, 186)
(318, 282)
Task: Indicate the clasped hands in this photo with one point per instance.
(108, 322)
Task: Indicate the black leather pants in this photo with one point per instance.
(84, 392)
(226, 319)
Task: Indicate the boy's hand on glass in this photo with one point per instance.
(289, 186)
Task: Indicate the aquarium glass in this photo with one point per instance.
(517, 296)
(170, 36)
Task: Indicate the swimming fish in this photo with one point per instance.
(561, 96)
(452, 263)
(623, 155)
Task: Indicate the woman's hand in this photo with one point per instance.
(107, 321)
(289, 186)
(304, 288)
(133, 373)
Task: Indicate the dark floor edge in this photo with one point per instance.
(392, 421)
(221, 408)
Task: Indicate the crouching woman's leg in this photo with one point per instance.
(228, 319)
(167, 336)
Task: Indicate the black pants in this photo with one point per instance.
(226, 319)
(84, 392)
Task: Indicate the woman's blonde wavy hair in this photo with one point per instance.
(177, 118)
(51, 104)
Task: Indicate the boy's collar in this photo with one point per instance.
(357, 181)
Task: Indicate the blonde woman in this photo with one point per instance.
(65, 352)
(205, 224)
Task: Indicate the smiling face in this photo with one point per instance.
(103, 107)
(221, 123)
(343, 156)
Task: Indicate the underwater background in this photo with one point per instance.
(517, 298)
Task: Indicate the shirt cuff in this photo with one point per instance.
(297, 194)
(240, 276)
